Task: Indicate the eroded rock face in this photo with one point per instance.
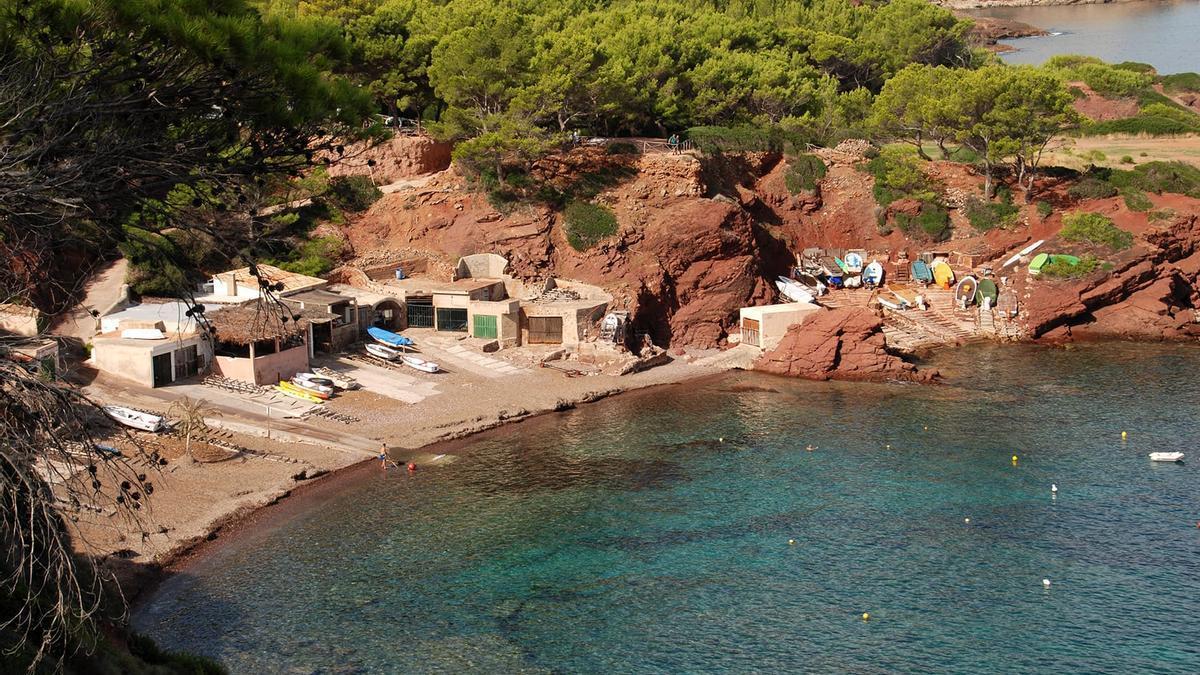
(1151, 292)
(846, 343)
(396, 159)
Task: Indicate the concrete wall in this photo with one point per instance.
(579, 320)
(480, 265)
(508, 319)
(265, 370)
(19, 322)
(134, 360)
(774, 320)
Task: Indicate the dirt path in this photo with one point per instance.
(104, 291)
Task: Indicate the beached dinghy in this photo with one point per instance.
(312, 387)
(1042, 259)
(388, 338)
(135, 418)
(381, 352)
(920, 272)
(854, 262)
(420, 364)
(292, 386)
(792, 290)
(316, 379)
(810, 283)
(942, 274)
(964, 293)
(873, 274)
(289, 389)
(987, 293)
(1166, 456)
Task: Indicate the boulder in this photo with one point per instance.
(846, 343)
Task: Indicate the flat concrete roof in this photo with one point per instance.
(320, 296)
(363, 296)
(785, 308)
(114, 338)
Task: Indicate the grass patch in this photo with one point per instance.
(586, 224)
(1044, 209)
(1063, 270)
(314, 257)
(1104, 79)
(803, 173)
(1159, 215)
(1095, 228)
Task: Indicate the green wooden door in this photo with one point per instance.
(485, 326)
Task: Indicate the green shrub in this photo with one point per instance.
(622, 148)
(1181, 82)
(1137, 200)
(1155, 119)
(586, 224)
(1095, 228)
(352, 193)
(314, 257)
(985, 215)
(1136, 67)
(1126, 159)
(1092, 188)
(933, 222)
(1044, 209)
(1160, 177)
(1064, 270)
(177, 662)
(897, 172)
(745, 138)
(803, 173)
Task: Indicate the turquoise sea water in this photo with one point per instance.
(626, 537)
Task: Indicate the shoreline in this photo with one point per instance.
(286, 502)
(139, 580)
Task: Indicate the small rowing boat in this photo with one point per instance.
(419, 363)
(810, 283)
(792, 290)
(389, 338)
(316, 379)
(964, 293)
(135, 419)
(288, 389)
(873, 274)
(1166, 456)
(920, 272)
(314, 389)
(381, 352)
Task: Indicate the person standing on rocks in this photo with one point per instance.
(383, 456)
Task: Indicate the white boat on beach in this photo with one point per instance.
(308, 384)
(419, 363)
(135, 418)
(1166, 456)
(792, 290)
(381, 352)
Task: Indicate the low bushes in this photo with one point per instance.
(933, 222)
(586, 224)
(1137, 200)
(1181, 82)
(1064, 270)
(314, 257)
(898, 175)
(746, 138)
(1044, 209)
(352, 193)
(1092, 188)
(803, 173)
(1094, 228)
(1155, 119)
(985, 215)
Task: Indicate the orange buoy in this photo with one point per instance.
(412, 466)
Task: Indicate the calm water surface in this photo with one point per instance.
(626, 537)
(1163, 34)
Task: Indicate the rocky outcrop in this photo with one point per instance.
(844, 344)
(1151, 292)
(394, 160)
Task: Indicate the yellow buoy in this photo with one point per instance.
(1124, 435)
(866, 616)
(791, 542)
(1014, 459)
(721, 439)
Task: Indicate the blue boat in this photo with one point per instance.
(921, 272)
(389, 338)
